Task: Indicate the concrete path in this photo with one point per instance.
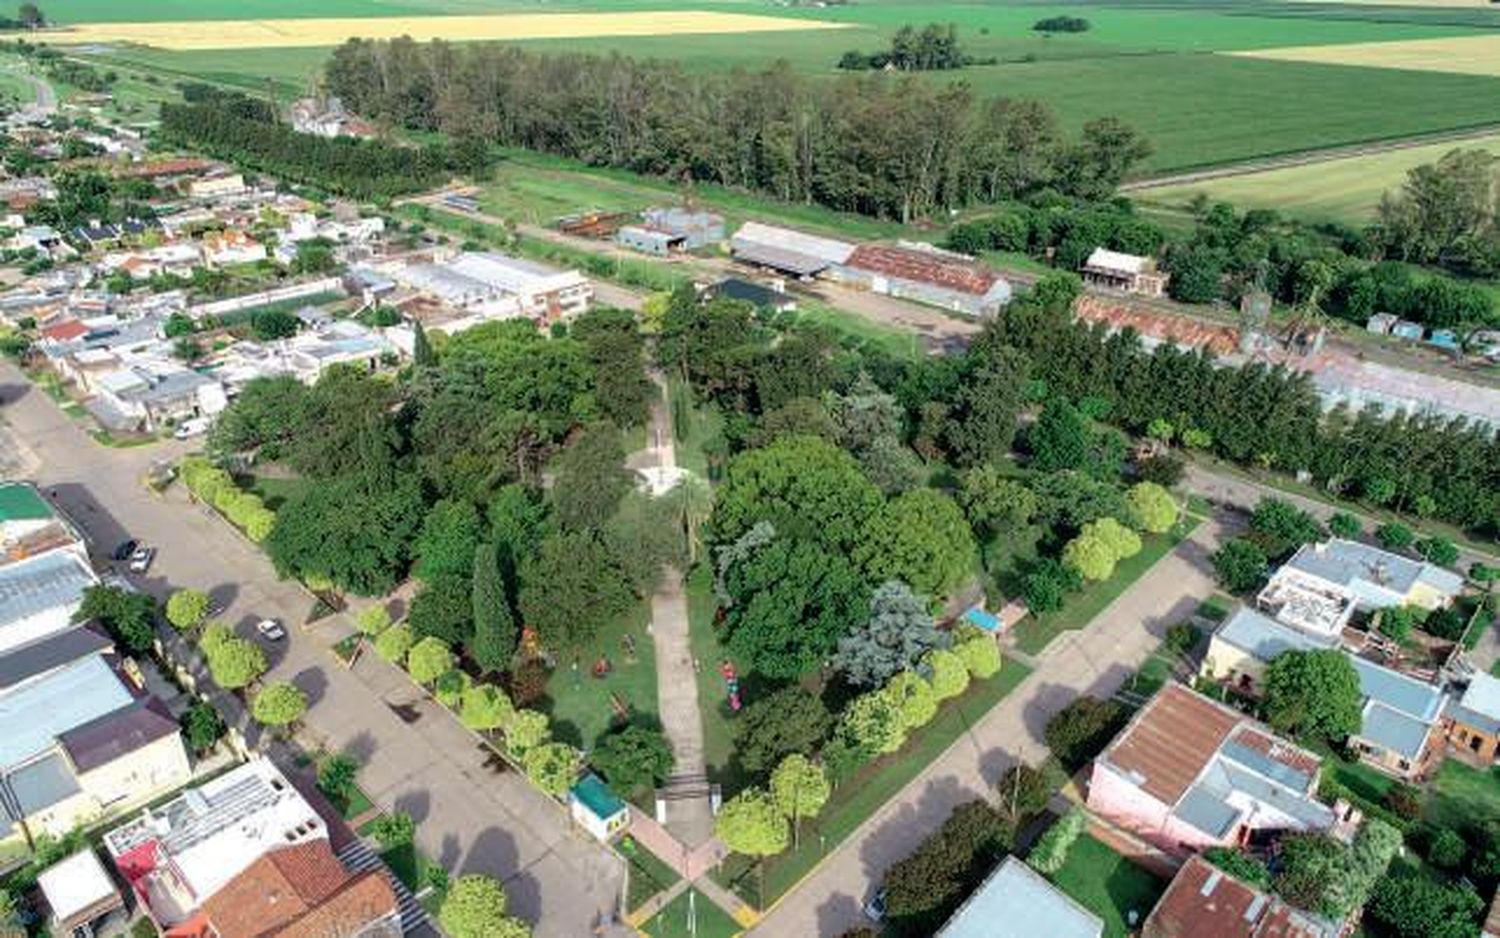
(472, 814)
(1097, 660)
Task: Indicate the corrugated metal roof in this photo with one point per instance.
(1207, 811)
(1398, 691)
(102, 741)
(1393, 730)
(33, 715)
(47, 581)
(45, 654)
(829, 250)
(42, 784)
(1016, 902)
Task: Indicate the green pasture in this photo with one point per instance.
(1346, 190)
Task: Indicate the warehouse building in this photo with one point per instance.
(786, 250)
(925, 274)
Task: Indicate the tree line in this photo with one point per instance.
(879, 145)
(234, 127)
(934, 48)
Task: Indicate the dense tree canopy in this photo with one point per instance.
(805, 486)
(920, 538)
(899, 631)
(1314, 694)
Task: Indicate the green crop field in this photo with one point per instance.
(1153, 67)
(1345, 190)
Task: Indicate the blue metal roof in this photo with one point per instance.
(35, 714)
(1262, 764)
(1393, 730)
(1016, 902)
(47, 581)
(1370, 573)
(1397, 691)
(1207, 811)
(42, 784)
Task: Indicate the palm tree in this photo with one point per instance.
(693, 500)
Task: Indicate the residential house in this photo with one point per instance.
(773, 298)
(1377, 579)
(148, 396)
(79, 741)
(327, 117)
(43, 239)
(1015, 901)
(786, 250)
(217, 187)
(304, 356)
(177, 856)
(1203, 901)
(1247, 641)
(1188, 773)
(40, 593)
(1400, 732)
(29, 525)
(298, 891)
(227, 248)
(1128, 273)
(79, 894)
(96, 235)
(1473, 720)
(925, 274)
(696, 229)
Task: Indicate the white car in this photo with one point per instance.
(191, 427)
(270, 630)
(140, 561)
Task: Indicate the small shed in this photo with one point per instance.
(1406, 329)
(1381, 323)
(79, 892)
(1445, 339)
(597, 808)
(650, 240)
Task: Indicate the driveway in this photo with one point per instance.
(1097, 660)
(472, 814)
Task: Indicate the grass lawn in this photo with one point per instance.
(899, 343)
(579, 704)
(1461, 795)
(674, 920)
(1035, 632)
(648, 875)
(1361, 779)
(1108, 885)
(861, 795)
(1346, 190)
(275, 491)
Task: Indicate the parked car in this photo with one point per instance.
(125, 549)
(191, 427)
(140, 561)
(875, 906)
(270, 630)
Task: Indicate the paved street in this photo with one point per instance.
(473, 814)
(1097, 660)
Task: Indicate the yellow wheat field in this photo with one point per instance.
(1466, 55)
(263, 34)
(1447, 4)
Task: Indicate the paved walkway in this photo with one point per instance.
(1097, 660)
(473, 815)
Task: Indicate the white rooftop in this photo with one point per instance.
(1105, 259)
(1482, 696)
(1308, 603)
(76, 885)
(826, 249)
(1016, 902)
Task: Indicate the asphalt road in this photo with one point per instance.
(473, 814)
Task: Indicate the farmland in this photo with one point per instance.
(1468, 55)
(1345, 190)
(1156, 68)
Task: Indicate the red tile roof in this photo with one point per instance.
(65, 331)
(952, 273)
(1204, 902)
(300, 891)
(1159, 326)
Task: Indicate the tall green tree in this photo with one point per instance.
(591, 480)
(1314, 694)
(899, 631)
(921, 538)
(495, 633)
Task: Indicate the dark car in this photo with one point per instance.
(125, 549)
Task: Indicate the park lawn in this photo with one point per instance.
(713, 702)
(1034, 633)
(648, 875)
(1107, 884)
(580, 705)
(1461, 795)
(1346, 190)
(861, 795)
(708, 920)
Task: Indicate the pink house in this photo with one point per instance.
(1188, 773)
